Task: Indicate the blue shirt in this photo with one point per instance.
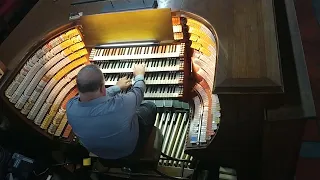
(108, 126)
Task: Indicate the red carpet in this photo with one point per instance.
(310, 34)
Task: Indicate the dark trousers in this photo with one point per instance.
(146, 117)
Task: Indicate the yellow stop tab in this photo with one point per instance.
(86, 162)
(205, 51)
(195, 45)
(194, 37)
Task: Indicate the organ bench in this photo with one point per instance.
(145, 158)
(228, 77)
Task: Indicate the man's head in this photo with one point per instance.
(90, 82)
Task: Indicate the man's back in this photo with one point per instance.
(106, 121)
(105, 126)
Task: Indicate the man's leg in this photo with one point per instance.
(147, 113)
(146, 117)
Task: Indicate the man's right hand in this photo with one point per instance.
(124, 83)
(139, 69)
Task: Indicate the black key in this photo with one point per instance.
(145, 50)
(104, 52)
(140, 50)
(131, 51)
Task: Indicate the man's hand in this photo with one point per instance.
(138, 69)
(124, 83)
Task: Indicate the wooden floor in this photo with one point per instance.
(309, 162)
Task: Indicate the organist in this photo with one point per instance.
(108, 123)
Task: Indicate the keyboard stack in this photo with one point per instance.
(164, 67)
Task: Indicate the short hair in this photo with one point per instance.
(89, 79)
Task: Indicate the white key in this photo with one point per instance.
(130, 53)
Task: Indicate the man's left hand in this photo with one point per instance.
(124, 83)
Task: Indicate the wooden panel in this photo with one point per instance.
(38, 23)
(280, 149)
(298, 100)
(152, 25)
(248, 58)
(2, 69)
(239, 138)
(119, 5)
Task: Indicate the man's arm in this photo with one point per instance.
(135, 95)
(113, 90)
(123, 83)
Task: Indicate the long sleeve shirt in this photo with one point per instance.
(108, 126)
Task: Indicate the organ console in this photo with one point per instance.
(40, 90)
(204, 75)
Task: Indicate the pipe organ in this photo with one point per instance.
(179, 79)
(248, 70)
